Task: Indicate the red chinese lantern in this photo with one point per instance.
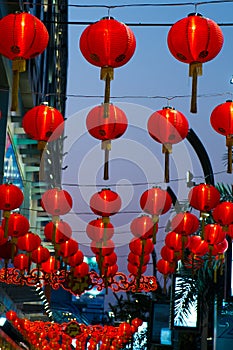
(165, 268)
(51, 265)
(137, 322)
(106, 122)
(213, 234)
(203, 197)
(110, 271)
(185, 223)
(57, 232)
(105, 203)
(141, 246)
(195, 40)
(167, 126)
(23, 36)
(101, 248)
(21, 262)
(81, 270)
(11, 197)
(56, 201)
(18, 225)
(11, 315)
(176, 242)
(170, 255)
(68, 248)
(198, 246)
(40, 255)
(29, 242)
(107, 44)
(76, 259)
(98, 231)
(221, 120)
(43, 123)
(155, 202)
(137, 259)
(143, 227)
(223, 214)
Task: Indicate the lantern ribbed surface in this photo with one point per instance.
(22, 35)
(56, 201)
(105, 203)
(107, 43)
(155, 201)
(43, 123)
(11, 197)
(168, 126)
(221, 118)
(106, 122)
(195, 39)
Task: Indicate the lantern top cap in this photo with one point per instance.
(107, 17)
(169, 107)
(228, 100)
(195, 14)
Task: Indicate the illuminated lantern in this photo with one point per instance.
(57, 232)
(75, 259)
(68, 248)
(155, 202)
(170, 255)
(29, 242)
(213, 234)
(105, 203)
(18, 225)
(204, 197)
(11, 197)
(137, 322)
(40, 255)
(108, 260)
(98, 231)
(137, 259)
(21, 262)
(143, 227)
(165, 268)
(221, 120)
(124, 329)
(11, 315)
(198, 246)
(51, 265)
(195, 40)
(101, 248)
(141, 246)
(56, 202)
(23, 36)
(81, 270)
(176, 242)
(110, 271)
(167, 126)
(43, 123)
(107, 44)
(106, 122)
(223, 214)
(185, 223)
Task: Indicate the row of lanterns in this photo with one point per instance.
(47, 335)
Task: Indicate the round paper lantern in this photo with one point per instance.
(18, 225)
(213, 234)
(106, 122)
(185, 223)
(40, 255)
(221, 120)
(109, 271)
(143, 227)
(23, 36)
(51, 265)
(141, 247)
(29, 242)
(105, 203)
(155, 202)
(195, 40)
(165, 268)
(108, 260)
(102, 248)
(57, 232)
(136, 270)
(76, 259)
(167, 126)
(11, 315)
(81, 270)
(68, 248)
(198, 246)
(98, 231)
(204, 197)
(176, 242)
(56, 201)
(170, 255)
(223, 214)
(43, 123)
(21, 262)
(137, 259)
(11, 197)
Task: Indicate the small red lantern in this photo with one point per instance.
(29, 242)
(176, 242)
(68, 248)
(21, 262)
(204, 197)
(185, 223)
(198, 246)
(76, 259)
(101, 248)
(11, 315)
(56, 202)
(141, 246)
(105, 203)
(221, 120)
(81, 270)
(170, 255)
(165, 268)
(43, 123)
(40, 255)
(98, 231)
(51, 265)
(143, 227)
(155, 202)
(23, 36)
(18, 225)
(57, 232)
(106, 122)
(167, 126)
(223, 214)
(137, 259)
(11, 197)
(136, 270)
(195, 40)
(107, 44)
